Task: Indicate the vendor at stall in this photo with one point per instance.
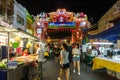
(24, 52)
(11, 52)
(39, 52)
(92, 53)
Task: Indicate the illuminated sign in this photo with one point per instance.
(82, 24)
(39, 31)
(62, 24)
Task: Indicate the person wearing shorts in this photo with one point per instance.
(64, 61)
(76, 58)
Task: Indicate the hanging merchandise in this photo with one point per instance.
(29, 44)
(15, 45)
(17, 39)
(10, 43)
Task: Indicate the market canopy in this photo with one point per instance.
(17, 32)
(112, 33)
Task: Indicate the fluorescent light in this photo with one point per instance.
(102, 43)
(38, 23)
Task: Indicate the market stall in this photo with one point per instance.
(14, 66)
(111, 64)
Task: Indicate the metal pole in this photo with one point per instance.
(40, 70)
(6, 9)
(8, 57)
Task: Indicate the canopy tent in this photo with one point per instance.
(112, 33)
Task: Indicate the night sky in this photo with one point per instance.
(93, 8)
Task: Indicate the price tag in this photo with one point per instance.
(12, 64)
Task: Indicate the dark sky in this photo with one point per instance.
(93, 8)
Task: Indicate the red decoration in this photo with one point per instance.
(82, 14)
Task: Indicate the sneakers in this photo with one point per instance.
(78, 73)
(59, 78)
(73, 71)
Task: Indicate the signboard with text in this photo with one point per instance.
(12, 64)
(61, 24)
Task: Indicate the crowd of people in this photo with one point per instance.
(62, 53)
(65, 54)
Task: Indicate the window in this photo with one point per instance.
(20, 20)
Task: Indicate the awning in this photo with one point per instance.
(110, 34)
(18, 32)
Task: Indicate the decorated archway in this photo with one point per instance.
(62, 24)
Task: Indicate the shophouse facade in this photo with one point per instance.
(29, 23)
(108, 19)
(6, 10)
(19, 20)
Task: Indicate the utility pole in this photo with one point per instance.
(6, 9)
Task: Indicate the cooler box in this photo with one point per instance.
(3, 75)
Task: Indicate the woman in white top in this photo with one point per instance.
(64, 61)
(76, 58)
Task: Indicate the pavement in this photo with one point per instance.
(51, 72)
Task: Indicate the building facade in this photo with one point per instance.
(108, 19)
(19, 20)
(6, 10)
(29, 23)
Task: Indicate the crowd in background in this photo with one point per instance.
(66, 54)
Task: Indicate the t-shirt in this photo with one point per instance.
(40, 53)
(65, 55)
(94, 53)
(84, 48)
(76, 52)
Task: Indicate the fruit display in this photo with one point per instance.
(2, 65)
(21, 60)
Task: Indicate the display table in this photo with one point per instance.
(21, 71)
(112, 65)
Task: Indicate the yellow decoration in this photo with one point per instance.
(28, 45)
(17, 39)
(86, 18)
(10, 43)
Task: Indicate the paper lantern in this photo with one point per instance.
(28, 45)
(15, 45)
(17, 39)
